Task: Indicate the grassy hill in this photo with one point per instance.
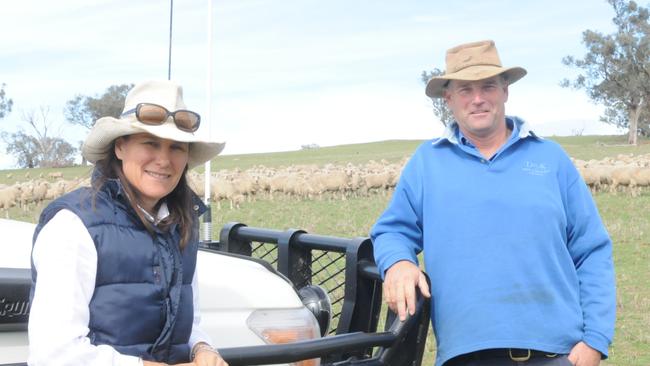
(580, 147)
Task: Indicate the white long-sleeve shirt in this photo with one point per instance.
(65, 259)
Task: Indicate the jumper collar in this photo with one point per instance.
(451, 131)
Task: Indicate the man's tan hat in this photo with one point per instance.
(472, 61)
(163, 93)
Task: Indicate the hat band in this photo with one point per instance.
(476, 65)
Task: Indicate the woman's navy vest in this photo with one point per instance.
(142, 303)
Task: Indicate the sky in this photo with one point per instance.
(287, 73)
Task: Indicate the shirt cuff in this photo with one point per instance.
(198, 336)
(598, 342)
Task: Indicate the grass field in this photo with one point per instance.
(627, 218)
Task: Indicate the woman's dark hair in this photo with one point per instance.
(179, 201)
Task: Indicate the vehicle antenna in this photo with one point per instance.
(207, 216)
(169, 58)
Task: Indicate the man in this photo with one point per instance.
(519, 260)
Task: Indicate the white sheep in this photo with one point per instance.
(279, 183)
(641, 177)
(9, 197)
(622, 177)
(378, 181)
(335, 181)
(26, 194)
(591, 176)
(245, 184)
(298, 186)
(222, 189)
(40, 191)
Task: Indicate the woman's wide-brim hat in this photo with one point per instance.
(471, 62)
(164, 93)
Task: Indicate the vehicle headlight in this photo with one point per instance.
(315, 299)
(277, 326)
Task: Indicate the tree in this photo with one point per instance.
(5, 103)
(440, 108)
(85, 110)
(616, 68)
(24, 147)
(620, 118)
(644, 122)
(60, 153)
(39, 150)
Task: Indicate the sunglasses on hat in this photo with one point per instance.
(154, 115)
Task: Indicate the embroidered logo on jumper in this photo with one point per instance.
(533, 168)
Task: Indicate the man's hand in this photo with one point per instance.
(399, 287)
(583, 355)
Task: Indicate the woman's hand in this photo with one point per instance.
(207, 357)
(202, 358)
(204, 355)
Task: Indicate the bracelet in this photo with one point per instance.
(202, 347)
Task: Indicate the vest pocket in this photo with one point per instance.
(164, 337)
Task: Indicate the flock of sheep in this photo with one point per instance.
(35, 191)
(623, 173)
(299, 181)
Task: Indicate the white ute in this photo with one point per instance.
(243, 302)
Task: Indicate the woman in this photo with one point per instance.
(113, 265)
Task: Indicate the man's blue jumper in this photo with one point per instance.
(514, 246)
